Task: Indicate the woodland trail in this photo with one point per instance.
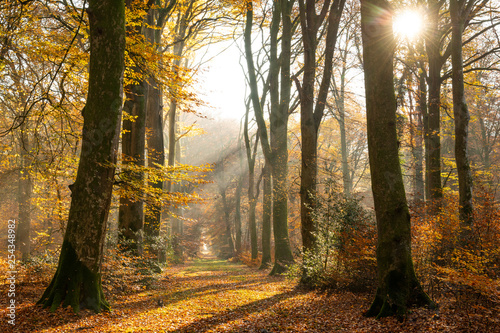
(210, 295)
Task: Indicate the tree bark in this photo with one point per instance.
(398, 286)
(156, 153)
(77, 281)
(227, 221)
(267, 195)
(24, 195)
(237, 215)
(461, 114)
(280, 100)
(131, 211)
(434, 80)
(252, 198)
(346, 176)
(419, 138)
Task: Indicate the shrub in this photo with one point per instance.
(345, 249)
(444, 262)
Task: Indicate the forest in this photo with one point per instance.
(250, 166)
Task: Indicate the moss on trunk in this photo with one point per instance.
(74, 285)
(77, 281)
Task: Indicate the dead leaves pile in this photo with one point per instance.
(217, 296)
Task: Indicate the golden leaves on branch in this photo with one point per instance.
(131, 179)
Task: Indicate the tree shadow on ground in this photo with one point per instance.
(205, 324)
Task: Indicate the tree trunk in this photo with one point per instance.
(175, 224)
(237, 215)
(346, 176)
(419, 139)
(276, 149)
(266, 217)
(131, 211)
(252, 198)
(312, 106)
(433, 163)
(339, 95)
(156, 154)
(461, 115)
(77, 281)
(25, 192)
(252, 225)
(280, 100)
(254, 98)
(398, 286)
(154, 120)
(227, 222)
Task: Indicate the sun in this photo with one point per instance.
(408, 24)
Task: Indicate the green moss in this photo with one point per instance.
(74, 285)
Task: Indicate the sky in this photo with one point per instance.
(222, 82)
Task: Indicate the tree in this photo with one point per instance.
(312, 106)
(459, 13)
(131, 211)
(267, 194)
(276, 149)
(25, 193)
(156, 20)
(252, 196)
(398, 286)
(436, 60)
(77, 281)
(344, 62)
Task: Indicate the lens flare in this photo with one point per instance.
(408, 24)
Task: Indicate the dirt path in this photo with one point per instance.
(210, 295)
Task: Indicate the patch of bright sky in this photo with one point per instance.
(222, 82)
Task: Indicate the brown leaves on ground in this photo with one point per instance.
(209, 295)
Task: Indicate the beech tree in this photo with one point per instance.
(276, 148)
(155, 22)
(77, 281)
(312, 105)
(343, 64)
(131, 211)
(251, 153)
(436, 60)
(398, 286)
(459, 13)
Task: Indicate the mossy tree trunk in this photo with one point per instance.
(398, 286)
(77, 281)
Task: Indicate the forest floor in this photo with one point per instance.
(210, 295)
